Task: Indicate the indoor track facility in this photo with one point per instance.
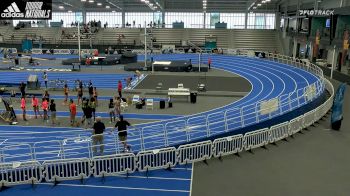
(174, 97)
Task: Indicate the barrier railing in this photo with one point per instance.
(189, 128)
(112, 165)
(81, 168)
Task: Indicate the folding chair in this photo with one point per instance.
(149, 104)
(123, 106)
(135, 99)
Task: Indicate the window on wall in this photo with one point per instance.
(138, 19)
(261, 21)
(113, 19)
(67, 17)
(233, 20)
(190, 20)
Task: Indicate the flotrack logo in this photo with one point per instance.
(316, 12)
(12, 11)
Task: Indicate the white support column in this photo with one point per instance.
(246, 20)
(333, 62)
(145, 43)
(204, 20)
(79, 46)
(123, 19)
(295, 47)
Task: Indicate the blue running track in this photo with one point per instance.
(268, 80)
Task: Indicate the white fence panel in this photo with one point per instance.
(156, 159)
(68, 169)
(256, 139)
(113, 165)
(190, 153)
(309, 118)
(16, 173)
(279, 132)
(227, 145)
(296, 125)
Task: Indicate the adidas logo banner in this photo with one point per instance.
(25, 9)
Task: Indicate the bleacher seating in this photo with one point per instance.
(68, 38)
(16, 36)
(252, 39)
(264, 40)
(124, 36)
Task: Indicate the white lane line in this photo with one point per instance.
(117, 187)
(158, 178)
(191, 179)
(3, 141)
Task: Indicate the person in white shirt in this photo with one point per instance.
(46, 79)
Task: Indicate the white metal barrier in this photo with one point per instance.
(256, 139)
(156, 159)
(194, 152)
(296, 125)
(67, 169)
(20, 173)
(279, 132)
(113, 165)
(309, 118)
(228, 145)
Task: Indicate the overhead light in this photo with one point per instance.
(107, 6)
(142, 0)
(99, 4)
(259, 4)
(69, 11)
(268, 0)
(254, 8)
(263, 2)
(113, 11)
(60, 7)
(91, 1)
(83, 0)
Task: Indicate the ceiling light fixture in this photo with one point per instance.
(107, 6)
(60, 7)
(83, 0)
(99, 4)
(91, 1)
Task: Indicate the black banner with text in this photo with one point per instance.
(25, 10)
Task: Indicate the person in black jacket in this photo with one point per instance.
(97, 138)
(122, 125)
(22, 88)
(52, 109)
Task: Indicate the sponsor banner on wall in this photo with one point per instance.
(316, 12)
(267, 107)
(310, 92)
(337, 109)
(25, 9)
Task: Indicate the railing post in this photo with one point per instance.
(208, 127)
(256, 113)
(166, 141)
(142, 141)
(290, 102)
(242, 118)
(226, 124)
